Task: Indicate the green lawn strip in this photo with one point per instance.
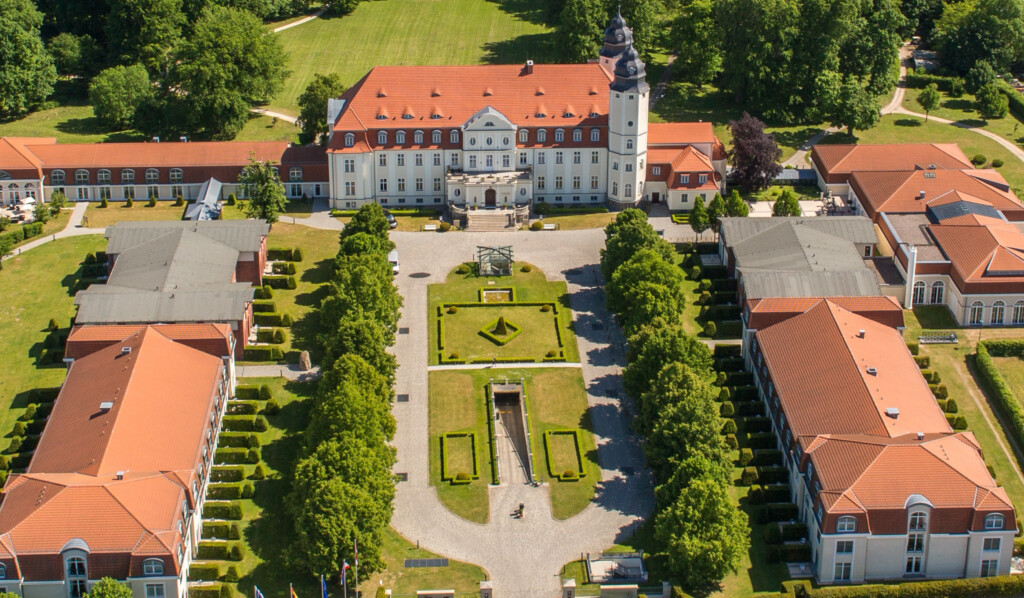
(460, 460)
(803, 193)
(412, 32)
(118, 211)
(691, 309)
(900, 128)
(580, 221)
(563, 455)
(577, 570)
(963, 110)
(464, 578)
(457, 406)
(35, 287)
(1012, 370)
(462, 329)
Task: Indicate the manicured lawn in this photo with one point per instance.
(461, 455)
(412, 32)
(1012, 370)
(76, 123)
(562, 454)
(900, 128)
(458, 576)
(461, 330)
(772, 193)
(457, 404)
(580, 221)
(35, 287)
(962, 109)
(684, 103)
(691, 310)
(118, 211)
(298, 208)
(555, 400)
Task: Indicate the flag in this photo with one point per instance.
(256, 593)
(344, 571)
(323, 588)
(291, 592)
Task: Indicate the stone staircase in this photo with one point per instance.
(488, 221)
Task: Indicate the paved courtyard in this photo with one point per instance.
(522, 556)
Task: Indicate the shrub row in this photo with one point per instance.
(284, 254)
(21, 233)
(245, 423)
(263, 353)
(251, 392)
(230, 511)
(272, 319)
(920, 80)
(237, 456)
(453, 476)
(263, 306)
(210, 591)
(229, 473)
(239, 440)
(221, 530)
(204, 571)
(566, 475)
(278, 281)
(1010, 585)
(283, 268)
(244, 407)
(214, 550)
(263, 292)
(274, 336)
(230, 491)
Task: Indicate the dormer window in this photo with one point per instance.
(542, 135)
(524, 135)
(540, 115)
(407, 116)
(994, 521)
(702, 178)
(454, 137)
(350, 139)
(435, 137)
(153, 567)
(382, 117)
(594, 115)
(382, 137)
(559, 135)
(417, 137)
(400, 137)
(684, 179)
(577, 135)
(595, 134)
(846, 524)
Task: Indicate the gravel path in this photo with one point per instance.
(522, 556)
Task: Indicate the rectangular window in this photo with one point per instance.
(437, 159)
(522, 159)
(684, 179)
(419, 159)
(913, 565)
(629, 167)
(437, 183)
(656, 170)
(558, 157)
(540, 183)
(844, 547)
(77, 588)
(576, 157)
(506, 161)
(382, 159)
(595, 157)
(558, 182)
(129, 192)
(350, 188)
(455, 159)
(490, 161)
(593, 182)
(419, 184)
(154, 590)
(401, 185)
(104, 192)
(177, 191)
(383, 185)
(576, 182)
(843, 571)
(350, 165)
(541, 159)
(991, 544)
(296, 190)
(703, 178)
(400, 159)
(990, 567)
(615, 165)
(472, 161)
(153, 192)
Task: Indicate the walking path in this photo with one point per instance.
(289, 119)
(72, 229)
(320, 218)
(659, 89)
(799, 157)
(289, 371)
(524, 556)
(315, 15)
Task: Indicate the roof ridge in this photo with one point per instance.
(133, 358)
(945, 463)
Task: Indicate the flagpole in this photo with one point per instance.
(355, 545)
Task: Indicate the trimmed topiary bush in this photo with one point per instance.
(537, 225)
(997, 163)
(710, 330)
(729, 427)
(978, 159)
(526, 268)
(746, 456)
(151, 203)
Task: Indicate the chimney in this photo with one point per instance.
(119, 475)
(126, 350)
(528, 69)
(861, 333)
(892, 412)
(920, 194)
(920, 435)
(106, 406)
(873, 371)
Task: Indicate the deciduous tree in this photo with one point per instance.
(630, 237)
(696, 37)
(980, 30)
(579, 30)
(643, 17)
(313, 107)
(74, 55)
(108, 587)
(645, 266)
(928, 99)
(980, 75)
(653, 346)
(716, 209)
(335, 515)
(992, 103)
(369, 219)
(27, 73)
(262, 187)
(117, 93)
(787, 204)
(735, 206)
(362, 336)
(144, 32)
(755, 154)
(855, 108)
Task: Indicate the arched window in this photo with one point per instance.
(975, 316)
(918, 521)
(846, 524)
(559, 135)
(524, 135)
(453, 137)
(57, 178)
(577, 135)
(82, 177)
(176, 175)
(998, 313)
(1018, 312)
(3, 571)
(595, 134)
(918, 293)
(382, 137)
(417, 137)
(294, 174)
(627, 191)
(615, 189)
(127, 176)
(350, 139)
(152, 175)
(435, 137)
(629, 144)
(994, 521)
(542, 135)
(938, 292)
(153, 567)
(103, 176)
(400, 137)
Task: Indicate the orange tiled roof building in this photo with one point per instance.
(886, 488)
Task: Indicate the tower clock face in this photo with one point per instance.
(620, 37)
(632, 70)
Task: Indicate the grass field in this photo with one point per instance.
(412, 32)
(461, 329)
(1012, 370)
(562, 453)
(555, 400)
(76, 123)
(580, 221)
(900, 128)
(35, 287)
(962, 110)
(54, 225)
(118, 211)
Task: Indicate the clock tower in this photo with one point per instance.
(629, 98)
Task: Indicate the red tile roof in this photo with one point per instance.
(679, 133)
(977, 252)
(214, 339)
(900, 191)
(762, 313)
(837, 162)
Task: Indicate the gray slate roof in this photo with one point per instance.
(856, 229)
(761, 283)
(790, 246)
(207, 204)
(113, 304)
(179, 259)
(243, 235)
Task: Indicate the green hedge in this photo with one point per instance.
(263, 353)
(1004, 347)
(263, 306)
(918, 80)
(244, 407)
(204, 571)
(239, 440)
(207, 591)
(561, 475)
(1010, 585)
(1016, 100)
(233, 491)
(278, 281)
(251, 392)
(722, 351)
(216, 550)
(230, 511)
(273, 336)
(245, 423)
(451, 476)
(272, 319)
(228, 473)
(279, 254)
(490, 433)
(993, 382)
(237, 456)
